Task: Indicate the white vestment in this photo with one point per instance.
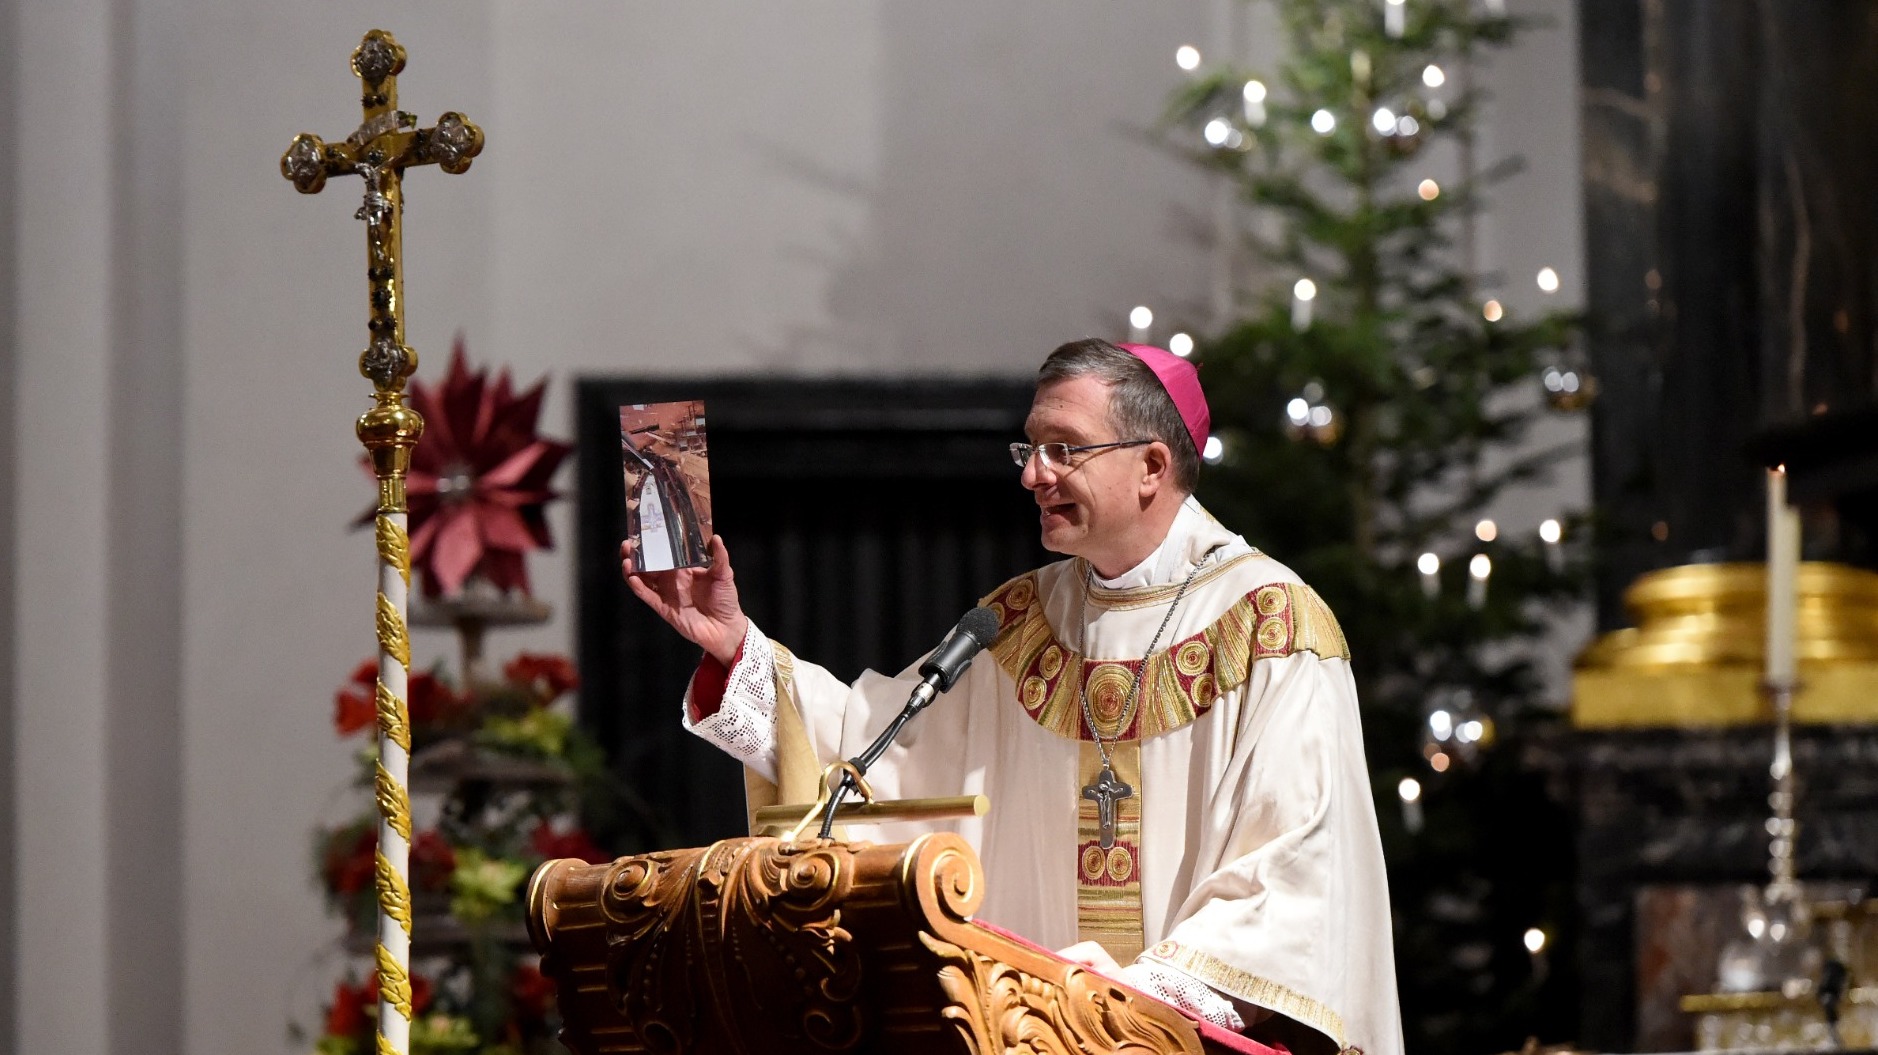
(1259, 867)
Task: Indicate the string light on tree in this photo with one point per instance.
(1551, 533)
(1181, 344)
(1491, 311)
(1548, 280)
(1214, 451)
(1394, 18)
(1486, 531)
(1383, 120)
(1323, 122)
(1187, 57)
(1140, 320)
(1428, 189)
(1478, 569)
(1406, 126)
(1433, 77)
(1410, 792)
(1429, 564)
(1255, 103)
(1303, 292)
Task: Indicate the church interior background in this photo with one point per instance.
(853, 229)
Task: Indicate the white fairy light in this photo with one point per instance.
(1486, 531)
(1298, 411)
(1305, 289)
(1141, 317)
(1427, 563)
(1480, 567)
(1217, 132)
(1433, 77)
(1214, 451)
(1410, 789)
(1548, 280)
(1550, 532)
(1187, 57)
(1323, 122)
(1383, 120)
(1255, 103)
(1181, 344)
(1320, 416)
(1406, 125)
(1535, 940)
(1491, 311)
(1440, 725)
(1428, 189)
(1302, 294)
(1255, 91)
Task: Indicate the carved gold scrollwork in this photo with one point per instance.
(994, 1007)
(777, 905)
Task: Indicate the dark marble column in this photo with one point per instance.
(1730, 154)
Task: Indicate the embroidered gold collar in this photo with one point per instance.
(1182, 681)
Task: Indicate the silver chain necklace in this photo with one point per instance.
(1107, 789)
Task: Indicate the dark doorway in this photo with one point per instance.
(862, 517)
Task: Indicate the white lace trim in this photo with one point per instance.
(1184, 991)
(745, 724)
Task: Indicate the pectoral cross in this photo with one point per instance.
(1106, 791)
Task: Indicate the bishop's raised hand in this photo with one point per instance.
(700, 603)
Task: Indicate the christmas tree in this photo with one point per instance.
(1369, 404)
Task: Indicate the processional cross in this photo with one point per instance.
(1107, 790)
(385, 144)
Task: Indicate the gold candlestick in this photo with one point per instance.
(386, 143)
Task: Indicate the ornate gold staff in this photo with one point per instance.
(383, 146)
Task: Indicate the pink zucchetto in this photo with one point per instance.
(1182, 381)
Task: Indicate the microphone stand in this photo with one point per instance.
(916, 703)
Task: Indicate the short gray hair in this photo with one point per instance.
(1139, 406)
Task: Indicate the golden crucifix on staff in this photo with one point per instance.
(386, 143)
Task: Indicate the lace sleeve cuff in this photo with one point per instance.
(744, 724)
(1184, 991)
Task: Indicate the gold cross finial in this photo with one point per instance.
(386, 143)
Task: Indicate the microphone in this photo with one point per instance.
(974, 633)
(941, 670)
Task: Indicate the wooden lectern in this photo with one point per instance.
(760, 945)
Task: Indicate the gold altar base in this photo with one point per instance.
(762, 945)
(1696, 656)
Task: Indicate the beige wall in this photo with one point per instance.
(714, 187)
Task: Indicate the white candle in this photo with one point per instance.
(1429, 564)
(1551, 532)
(1255, 103)
(1302, 295)
(1783, 575)
(1392, 17)
(1478, 569)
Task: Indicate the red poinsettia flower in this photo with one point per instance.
(553, 845)
(355, 707)
(346, 1017)
(478, 482)
(433, 860)
(533, 993)
(546, 674)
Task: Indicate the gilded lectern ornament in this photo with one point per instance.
(386, 143)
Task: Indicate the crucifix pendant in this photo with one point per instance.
(1106, 791)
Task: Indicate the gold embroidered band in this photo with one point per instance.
(1108, 882)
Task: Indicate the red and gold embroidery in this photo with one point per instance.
(1181, 683)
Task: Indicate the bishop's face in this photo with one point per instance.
(1093, 507)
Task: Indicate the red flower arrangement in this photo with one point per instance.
(553, 845)
(349, 1015)
(533, 993)
(355, 706)
(478, 482)
(546, 674)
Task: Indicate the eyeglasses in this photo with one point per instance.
(1056, 455)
